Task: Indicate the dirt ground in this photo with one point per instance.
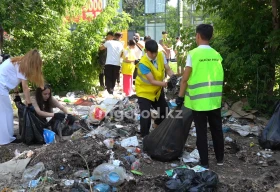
(242, 170)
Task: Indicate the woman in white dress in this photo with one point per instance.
(13, 71)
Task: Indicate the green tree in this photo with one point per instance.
(247, 36)
(70, 58)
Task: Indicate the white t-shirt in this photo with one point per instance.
(138, 52)
(189, 60)
(10, 77)
(114, 50)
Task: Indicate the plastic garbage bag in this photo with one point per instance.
(167, 141)
(270, 136)
(31, 127)
(20, 107)
(187, 180)
(49, 136)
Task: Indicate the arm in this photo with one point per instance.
(184, 81)
(58, 105)
(141, 46)
(151, 79)
(168, 70)
(26, 91)
(102, 47)
(39, 111)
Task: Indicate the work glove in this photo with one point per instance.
(70, 119)
(59, 116)
(172, 82)
(31, 108)
(180, 101)
(17, 99)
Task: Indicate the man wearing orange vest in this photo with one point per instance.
(149, 85)
(201, 91)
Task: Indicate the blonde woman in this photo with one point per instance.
(14, 71)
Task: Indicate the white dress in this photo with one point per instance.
(10, 77)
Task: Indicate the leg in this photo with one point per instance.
(215, 122)
(116, 75)
(125, 84)
(6, 118)
(101, 77)
(108, 78)
(145, 115)
(162, 108)
(129, 81)
(200, 120)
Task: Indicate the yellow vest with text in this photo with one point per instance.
(142, 85)
(128, 68)
(205, 84)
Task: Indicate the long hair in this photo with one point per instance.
(43, 105)
(30, 65)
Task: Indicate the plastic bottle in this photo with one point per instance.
(102, 187)
(135, 165)
(109, 174)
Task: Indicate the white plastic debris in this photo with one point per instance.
(228, 139)
(192, 157)
(130, 141)
(244, 130)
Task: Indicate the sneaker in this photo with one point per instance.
(220, 163)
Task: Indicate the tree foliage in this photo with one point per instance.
(246, 37)
(70, 58)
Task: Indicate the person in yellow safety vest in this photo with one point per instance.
(201, 91)
(149, 86)
(128, 67)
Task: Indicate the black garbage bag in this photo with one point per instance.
(270, 136)
(190, 181)
(21, 108)
(31, 128)
(167, 141)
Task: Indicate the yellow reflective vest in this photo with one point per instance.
(128, 68)
(142, 85)
(205, 84)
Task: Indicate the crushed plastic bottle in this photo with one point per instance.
(109, 174)
(32, 172)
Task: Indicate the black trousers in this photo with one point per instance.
(145, 116)
(215, 122)
(134, 75)
(101, 79)
(112, 73)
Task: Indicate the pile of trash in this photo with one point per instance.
(106, 154)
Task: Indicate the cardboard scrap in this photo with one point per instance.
(237, 111)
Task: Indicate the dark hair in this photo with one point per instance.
(146, 38)
(111, 33)
(117, 35)
(205, 31)
(164, 32)
(131, 42)
(43, 105)
(177, 38)
(151, 46)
